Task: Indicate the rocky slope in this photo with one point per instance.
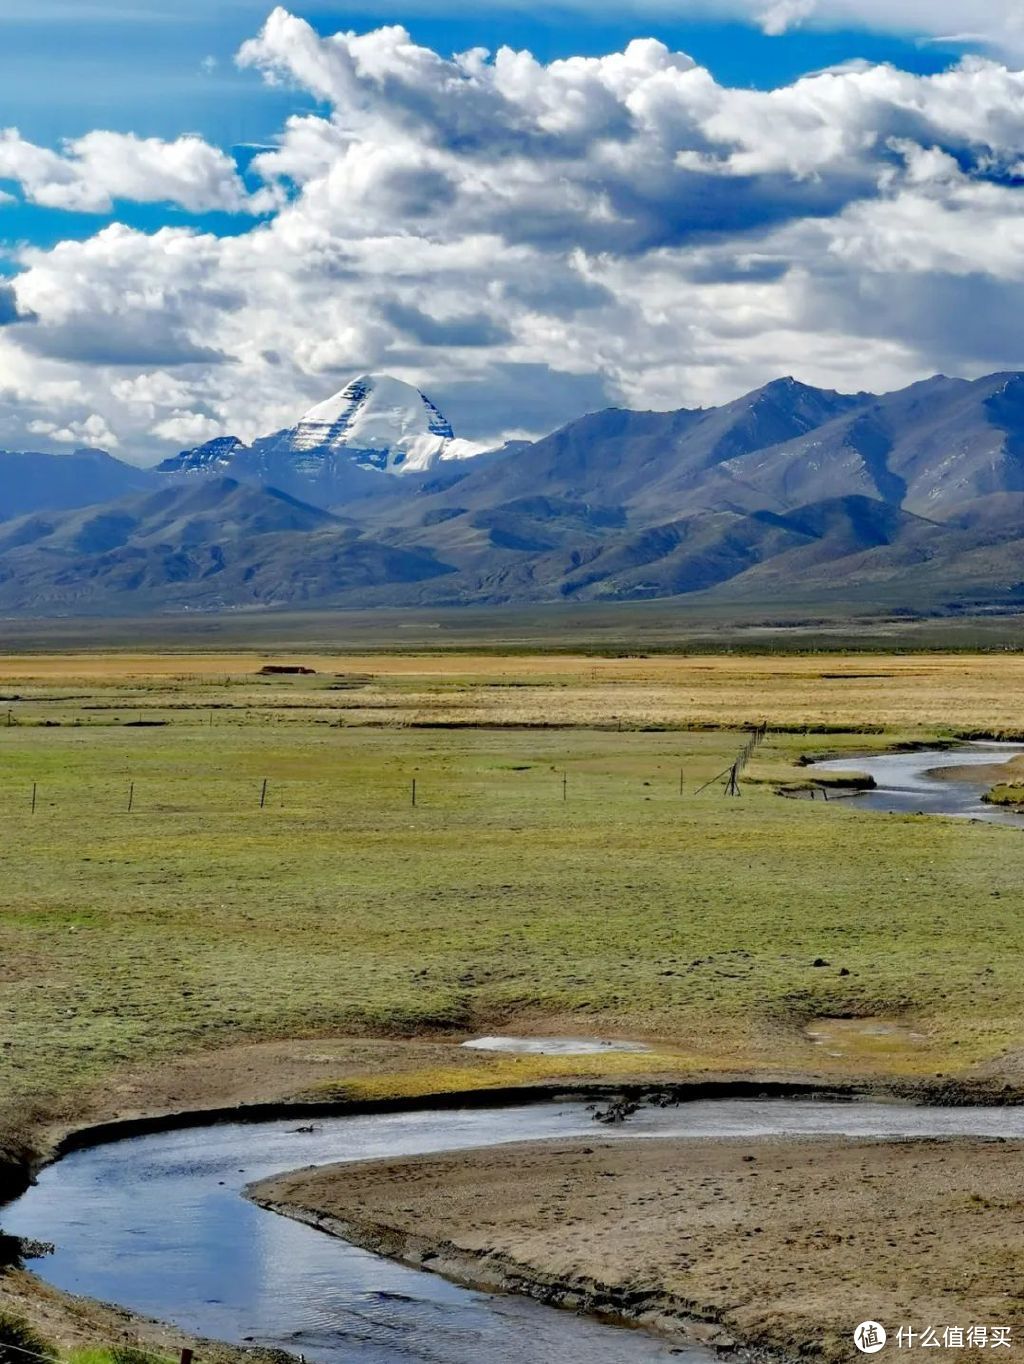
(209, 546)
(30, 481)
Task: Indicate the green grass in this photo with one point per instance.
(19, 1342)
(596, 628)
(117, 1354)
(199, 919)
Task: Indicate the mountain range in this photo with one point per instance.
(911, 500)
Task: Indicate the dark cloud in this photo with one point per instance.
(959, 322)
(728, 267)
(129, 342)
(558, 293)
(471, 329)
(527, 397)
(10, 312)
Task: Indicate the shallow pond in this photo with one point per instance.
(554, 1046)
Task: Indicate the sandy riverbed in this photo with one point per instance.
(785, 1244)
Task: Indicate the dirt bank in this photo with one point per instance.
(1007, 770)
(73, 1323)
(785, 1245)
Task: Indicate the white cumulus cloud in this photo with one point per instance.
(996, 22)
(187, 428)
(90, 173)
(91, 431)
(529, 240)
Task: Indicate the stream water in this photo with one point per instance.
(904, 785)
(157, 1223)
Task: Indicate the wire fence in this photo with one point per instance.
(731, 775)
(227, 796)
(5, 1346)
(216, 790)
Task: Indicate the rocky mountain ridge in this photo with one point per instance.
(791, 492)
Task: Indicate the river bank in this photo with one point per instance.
(780, 1244)
(259, 1081)
(69, 1322)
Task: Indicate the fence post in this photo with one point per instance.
(131, 797)
(680, 781)
(263, 794)
(414, 790)
(565, 783)
(186, 1355)
(33, 797)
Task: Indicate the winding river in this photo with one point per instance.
(904, 785)
(157, 1223)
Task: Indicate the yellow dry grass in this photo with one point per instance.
(951, 692)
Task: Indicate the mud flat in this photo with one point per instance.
(783, 1244)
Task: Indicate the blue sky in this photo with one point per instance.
(193, 245)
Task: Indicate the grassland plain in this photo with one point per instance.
(928, 693)
(199, 919)
(337, 940)
(680, 625)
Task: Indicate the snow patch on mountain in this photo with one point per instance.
(214, 456)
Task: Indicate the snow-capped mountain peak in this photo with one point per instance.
(382, 423)
(376, 423)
